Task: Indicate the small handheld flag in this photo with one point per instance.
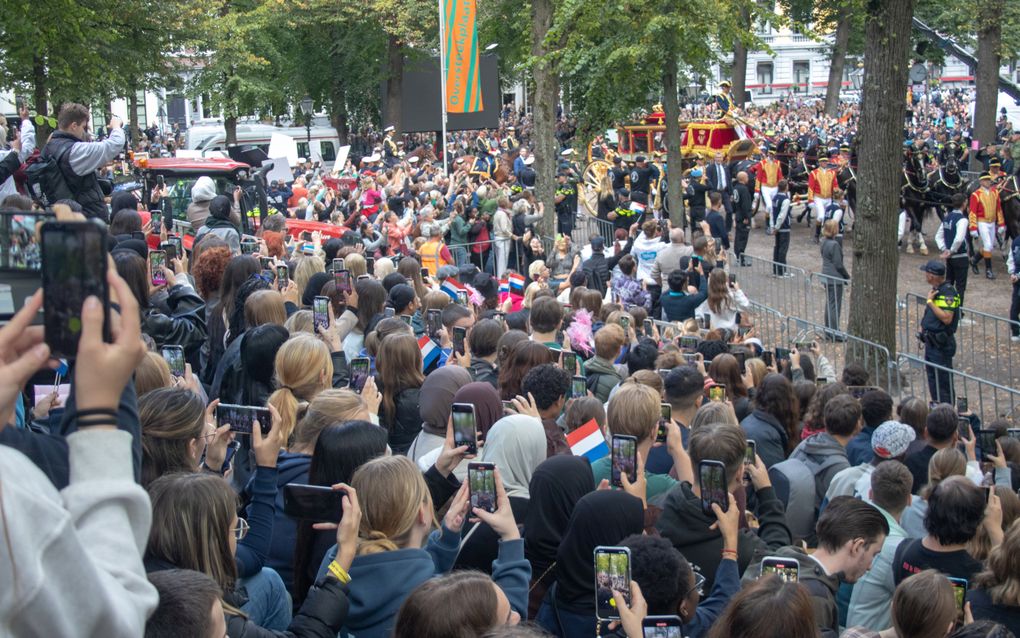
(429, 351)
(588, 441)
(451, 287)
(516, 283)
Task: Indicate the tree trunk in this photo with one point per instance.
(739, 78)
(986, 76)
(671, 108)
(133, 117)
(394, 82)
(837, 61)
(41, 97)
(230, 126)
(544, 113)
(873, 287)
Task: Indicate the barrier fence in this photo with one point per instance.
(985, 398)
(844, 349)
(774, 285)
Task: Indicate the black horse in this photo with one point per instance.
(1009, 196)
(915, 198)
(946, 181)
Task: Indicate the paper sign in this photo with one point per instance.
(341, 158)
(281, 145)
(975, 145)
(43, 391)
(281, 170)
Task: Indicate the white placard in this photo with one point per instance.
(281, 145)
(341, 158)
(281, 170)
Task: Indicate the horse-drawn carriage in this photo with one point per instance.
(701, 138)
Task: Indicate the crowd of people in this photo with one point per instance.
(345, 503)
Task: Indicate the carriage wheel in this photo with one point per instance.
(590, 179)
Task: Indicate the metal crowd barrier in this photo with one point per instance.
(819, 301)
(773, 285)
(769, 325)
(842, 348)
(983, 347)
(985, 398)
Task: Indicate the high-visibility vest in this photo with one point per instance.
(431, 256)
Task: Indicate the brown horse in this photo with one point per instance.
(423, 153)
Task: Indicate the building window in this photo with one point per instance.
(802, 76)
(328, 152)
(765, 78)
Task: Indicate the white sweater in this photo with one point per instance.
(71, 561)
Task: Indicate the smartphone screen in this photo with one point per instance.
(578, 387)
(424, 273)
(648, 327)
(315, 503)
(733, 278)
(174, 357)
(788, 569)
(960, 586)
(157, 262)
(389, 312)
(249, 247)
(665, 416)
(624, 459)
(750, 452)
(782, 354)
(320, 312)
(171, 250)
(743, 330)
(717, 393)
(625, 322)
(73, 268)
(178, 244)
(434, 323)
(821, 381)
(712, 481)
(155, 220)
(343, 280)
(1013, 433)
(661, 627)
(459, 335)
(465, 429)
(689, 343)
(961, 405)
(242, 418)
(462, 298)
(482, 485)
(338, 265)
(360, 368)
(500, 317)
(802, 345)
(569, 362)
(986, 443)
(612, 572)
(370, 265)
(282, 276)
(266, 263)
(963, 427)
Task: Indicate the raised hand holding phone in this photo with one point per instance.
(727, 522)
(633, 614)
(267, 448)
(502, 520)
(639, 487)
(22, 354)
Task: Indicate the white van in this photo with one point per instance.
(211, 139)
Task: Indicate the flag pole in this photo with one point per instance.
(442, 81)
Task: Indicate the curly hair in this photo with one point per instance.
(208, 270)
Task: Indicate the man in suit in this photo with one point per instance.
(742, 202)
(717, 176)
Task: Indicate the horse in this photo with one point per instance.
(915, 195)
(424, 154)
(946, 181)
(846, 179)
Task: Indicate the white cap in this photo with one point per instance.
(388, 129)
(372, 158)
(529, 160)
(412, 160)
(568, 151)
(460, 160)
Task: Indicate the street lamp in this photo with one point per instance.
(306, 109)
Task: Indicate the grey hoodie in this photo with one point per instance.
(825, 457)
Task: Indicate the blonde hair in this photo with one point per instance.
(151, 373)
(634, 410)
(531, 291)
(300, 321)
(335, 405)
(303, 369)
(758, 370)
(830, 228)
(647, 378)
(263, 307)
(384, 267)
(305, 267)
(1001, 577)
(356, 263)
(943, 464)
(714, 412)
(391, 491)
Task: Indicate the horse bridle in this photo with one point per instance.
(1009, 194)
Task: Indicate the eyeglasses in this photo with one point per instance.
(241, 530)
(699, 586)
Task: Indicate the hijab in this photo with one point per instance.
(488, 407)
(600, 518)
(436, 400)
(516, 444)
(314, 288)
(556, 485)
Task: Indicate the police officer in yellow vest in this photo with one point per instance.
(938, 330)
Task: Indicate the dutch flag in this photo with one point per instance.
(516, 283)
(587, 441)
(504, 287)
(451, 286)
(429, 352)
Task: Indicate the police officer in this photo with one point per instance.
(565, 192)
(642, 176)
(951, 239)
(938, 330)
(619, 175)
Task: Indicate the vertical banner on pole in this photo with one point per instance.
(463, 85)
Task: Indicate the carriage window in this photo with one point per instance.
(328, 152)
(765, 77)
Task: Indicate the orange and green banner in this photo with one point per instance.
(463, 85)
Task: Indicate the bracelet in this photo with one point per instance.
(731, 552)
(87, 423)
(341, 574)
(206, 468)
(94, 412)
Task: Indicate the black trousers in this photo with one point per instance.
(1014, 311)
(956, 273)
(940, 382)
(740, 238)
(779, 252)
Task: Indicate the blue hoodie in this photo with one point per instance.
(291, 468)
(381, 582)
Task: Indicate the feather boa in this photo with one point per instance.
(579, 332)
(474, 296)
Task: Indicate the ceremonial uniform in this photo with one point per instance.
(820, 184)
(724, 103)
(509, 143)
(951, 236)
(390, 153)
(985, 220)
(779, 223)
(939, 340)
(767, 174)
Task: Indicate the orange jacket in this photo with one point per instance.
(768, 173)
(985, 206)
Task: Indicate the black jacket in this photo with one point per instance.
(482, 370)
(321, 615)
(599, 268)
(405, 427)
(742, 203)
(8, 165)
(83, 189)
(184, 326)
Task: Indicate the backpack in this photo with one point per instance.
(44, 180)
(798, 496)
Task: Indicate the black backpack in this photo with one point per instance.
(45, 181)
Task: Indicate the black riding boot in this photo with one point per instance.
(988, 268)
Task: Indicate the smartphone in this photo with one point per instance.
(170, 249)
(459, 335)
(232, 448)
(157, 261)
(320, 312)
(370, 265)
(691, 358)
(960, 587)
(986, 443)
(83, 245)
(663, 373)
(389, 312)
(712, 481)
(717, 392)
(434, 323)
(648, 325)
(343, 280)
(568, 360)
(266, 263)
(767, 358)
(174, 357)
(507, 405)
(661, 627)
(624, 459)
(424, 273)
(665, 416)
(706, 321)
(743, 330)
(282, 276)
(178, 244)
(782, 354)
(750, 452)
(821, 381)
(740, 353)
(500, 317)
(963, 427)
(578, 387)
(155, 220)
(733, 278)
(315, 503)
(242, 418)
(406, 319)
(482, 485)
(961, 405)
(801, 346)
(465, 429)
(360, 367)
(462, 298)
(338, 265)
(689, 343)
(788, 569)
(249, 247)
(625, 322)
(612, 572)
